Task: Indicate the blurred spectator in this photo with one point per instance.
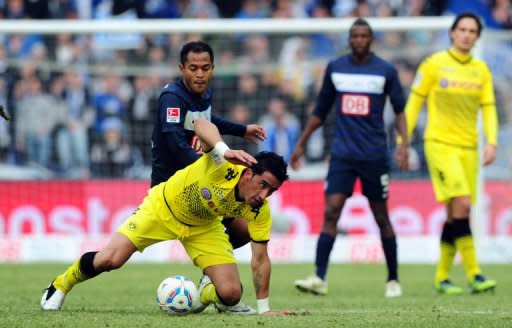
(241, 114)
(141, 116)
(282, 128)
(14, 9)
(502, 12)
(252, 9)
(148, 9)
(249, 93)
(107, 101)
(111, 155)
(201, 9)
(72, 139)
(321, 45)
(38, 115)
(63, 9)
(295, 69)
(288, 9)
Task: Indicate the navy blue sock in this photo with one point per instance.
(323, 251)
(389, 247)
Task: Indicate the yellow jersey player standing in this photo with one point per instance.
(189, 207)
(457, 86)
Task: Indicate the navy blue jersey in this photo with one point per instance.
(359, 92)
(173, 131)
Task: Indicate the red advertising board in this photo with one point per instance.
(98, 207)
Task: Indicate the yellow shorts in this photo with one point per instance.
(152, 222)
(453, 170)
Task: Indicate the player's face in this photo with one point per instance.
(464, 35)
(197, 72)
(360, 40)
(256, 187)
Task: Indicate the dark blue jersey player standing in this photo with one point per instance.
(174, 144)
(358, 84)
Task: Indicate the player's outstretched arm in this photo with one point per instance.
(210, 139)
(261, 268)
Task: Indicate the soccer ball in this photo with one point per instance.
(177, 295)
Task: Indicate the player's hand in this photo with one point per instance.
(239, 157)
(296, 157)
(402, 156)
(282, 313)
(489, 154)
(255, 133)
(196, 145)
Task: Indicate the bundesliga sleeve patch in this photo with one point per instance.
(173, 115)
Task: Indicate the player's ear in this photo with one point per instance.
(181, 67)
(248, 172)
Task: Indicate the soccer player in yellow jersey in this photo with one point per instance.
(457, 86)
(189, 207)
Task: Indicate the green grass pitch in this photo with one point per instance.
(126, 298)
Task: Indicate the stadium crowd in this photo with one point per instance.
(83, 105)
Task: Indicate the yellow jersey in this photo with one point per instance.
(457, 87)
(206, 190)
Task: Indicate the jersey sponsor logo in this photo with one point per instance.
(361, 83)
(459, 84)
(173, 115)
(206, 193)
(357, 105)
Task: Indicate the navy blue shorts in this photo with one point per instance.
(374, 176)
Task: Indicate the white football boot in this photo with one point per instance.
(393, 289)
(239, 309)
(199, 307)
(52, 299)
(312, 284)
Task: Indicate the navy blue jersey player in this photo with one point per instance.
(174, 144)
(358, 85)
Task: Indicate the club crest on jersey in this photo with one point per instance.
(173, 115)
(206, 193)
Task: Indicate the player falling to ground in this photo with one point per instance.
(457, 87)
(189, 207)
(174, 142)
(359, 84)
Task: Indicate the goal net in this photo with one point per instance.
(76, 155)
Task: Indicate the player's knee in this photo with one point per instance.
(229, 295)
(332, 214)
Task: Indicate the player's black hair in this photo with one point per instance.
(195, 47)
(467, 15)
(361, 22)
(269, 161)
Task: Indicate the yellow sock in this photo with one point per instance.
(209, 295)
(466, 247)
(445, 261)
(69, 278)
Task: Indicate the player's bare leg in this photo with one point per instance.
(89, 265)
(221, 286)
